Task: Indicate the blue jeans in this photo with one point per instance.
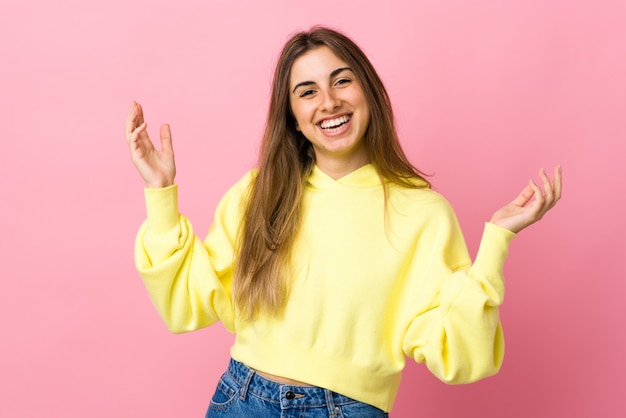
(242, 393)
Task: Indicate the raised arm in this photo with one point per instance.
(188, 279)
(460, 337)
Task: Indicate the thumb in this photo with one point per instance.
(166, 139)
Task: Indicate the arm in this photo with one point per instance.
(188, 280)
(459, 336)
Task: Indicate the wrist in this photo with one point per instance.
(159, 182)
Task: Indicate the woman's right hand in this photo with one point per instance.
(157, 168)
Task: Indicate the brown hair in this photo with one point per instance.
(272, 215)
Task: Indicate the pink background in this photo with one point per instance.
(486, 93)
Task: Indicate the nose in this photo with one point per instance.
(330, 101)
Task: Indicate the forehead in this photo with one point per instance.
(315, 65)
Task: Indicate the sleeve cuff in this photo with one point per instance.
(162, 208)
(493, 250)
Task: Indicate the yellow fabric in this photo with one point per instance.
(371, 284)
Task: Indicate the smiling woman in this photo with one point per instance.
(333, 260)
(330, 110)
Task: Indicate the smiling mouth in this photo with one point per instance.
(333, 125)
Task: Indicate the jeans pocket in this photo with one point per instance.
(225, 394)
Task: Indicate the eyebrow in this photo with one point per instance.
(334, 73)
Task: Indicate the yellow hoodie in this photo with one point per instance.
(372, 282)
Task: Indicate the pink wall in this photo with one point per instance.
(486, 93)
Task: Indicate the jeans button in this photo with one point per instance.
(290, 395)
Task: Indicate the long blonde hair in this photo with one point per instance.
(272, 214)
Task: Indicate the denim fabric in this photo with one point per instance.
(242, 393)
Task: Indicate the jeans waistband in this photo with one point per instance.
(288, 396)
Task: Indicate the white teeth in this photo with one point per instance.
(333, 123)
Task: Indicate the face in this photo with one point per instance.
(330, 109)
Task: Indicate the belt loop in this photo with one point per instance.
(330, 403)
(246, 383)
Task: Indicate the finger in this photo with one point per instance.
(524, 197)
(143, 134)
(539, 197)
(548, 191)
(140, 119)
(166, 139)
(131, 120)
(134, 136)
(558, 183)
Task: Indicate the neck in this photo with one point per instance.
(337, 167)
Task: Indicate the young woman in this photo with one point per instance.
(334, 259)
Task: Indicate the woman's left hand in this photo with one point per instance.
(524, 210)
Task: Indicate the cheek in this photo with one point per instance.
(301, 115)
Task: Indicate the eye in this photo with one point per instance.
(305, 93)
(343, 82)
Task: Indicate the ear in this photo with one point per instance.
(298, 127)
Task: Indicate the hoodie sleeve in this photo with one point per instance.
(459, 335)
(189, 280)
